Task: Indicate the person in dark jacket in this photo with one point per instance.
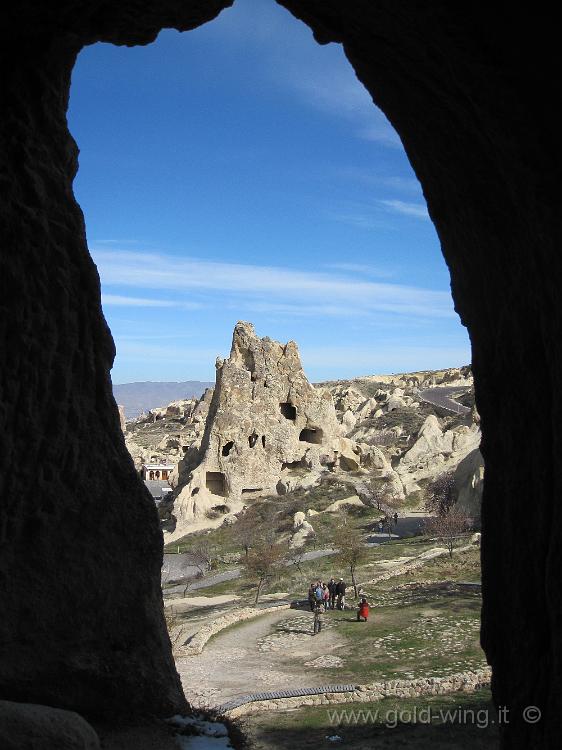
(332, 589)
(312, 596)
(318, 617)
(340, 593)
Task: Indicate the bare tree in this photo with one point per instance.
(372, 493)
(203, 556)
(448, 527)
(295, 556)
(350, 550)
(441, 494)
(264, 561)
(247, 532)
(254, 526)
(189, 580)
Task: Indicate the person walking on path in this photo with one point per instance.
(340, 592)
(319, 610)
(396, 519)
(332, 589)
(312, 596)
(363, 610)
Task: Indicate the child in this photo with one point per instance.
(363, 610)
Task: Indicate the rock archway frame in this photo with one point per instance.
(468, 88)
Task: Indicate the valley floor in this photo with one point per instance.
(424, 622)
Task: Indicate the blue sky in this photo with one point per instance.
(241, 172)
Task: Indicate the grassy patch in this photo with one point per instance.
(453, 722)
(433, 633)
(462, 566)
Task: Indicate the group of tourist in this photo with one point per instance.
(324, 596)
(387, 522)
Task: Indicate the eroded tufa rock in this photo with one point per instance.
(268, 431)
(266, 424)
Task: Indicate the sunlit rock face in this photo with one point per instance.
(267, 430)
(470, 90)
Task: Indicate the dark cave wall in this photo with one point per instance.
(469, 88)
(81, 622)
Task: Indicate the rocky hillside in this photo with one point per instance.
(265, 430)
(138, 398)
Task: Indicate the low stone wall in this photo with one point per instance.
(197, 643)
(416, 563)
(466, 682)
(199, 640)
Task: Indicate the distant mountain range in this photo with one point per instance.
(141, 397)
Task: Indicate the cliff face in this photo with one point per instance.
(81, 622)
(268, 430)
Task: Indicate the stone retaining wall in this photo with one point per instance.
(197, 643)
(466, 682)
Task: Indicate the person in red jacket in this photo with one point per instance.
(363, 610)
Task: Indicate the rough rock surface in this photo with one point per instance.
(436, 452)
(489, 166)
(28, 725)
(164, 434)
(469, 478)
(82, 623)
(268, 431)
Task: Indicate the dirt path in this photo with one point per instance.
(272, 652)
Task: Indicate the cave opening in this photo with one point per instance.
(288, 411)
(294, 465)
(312, 435)
(215, 481)
(227, 447)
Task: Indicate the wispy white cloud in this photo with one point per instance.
(319, 75)
(120, 300)
(373, 177)
(359, 220)
(418, 210)
(336, 91)
(274, 285)
(360, 268)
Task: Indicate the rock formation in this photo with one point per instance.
(165, 433)
(268, 431)
(435, 452)
(469, 479)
